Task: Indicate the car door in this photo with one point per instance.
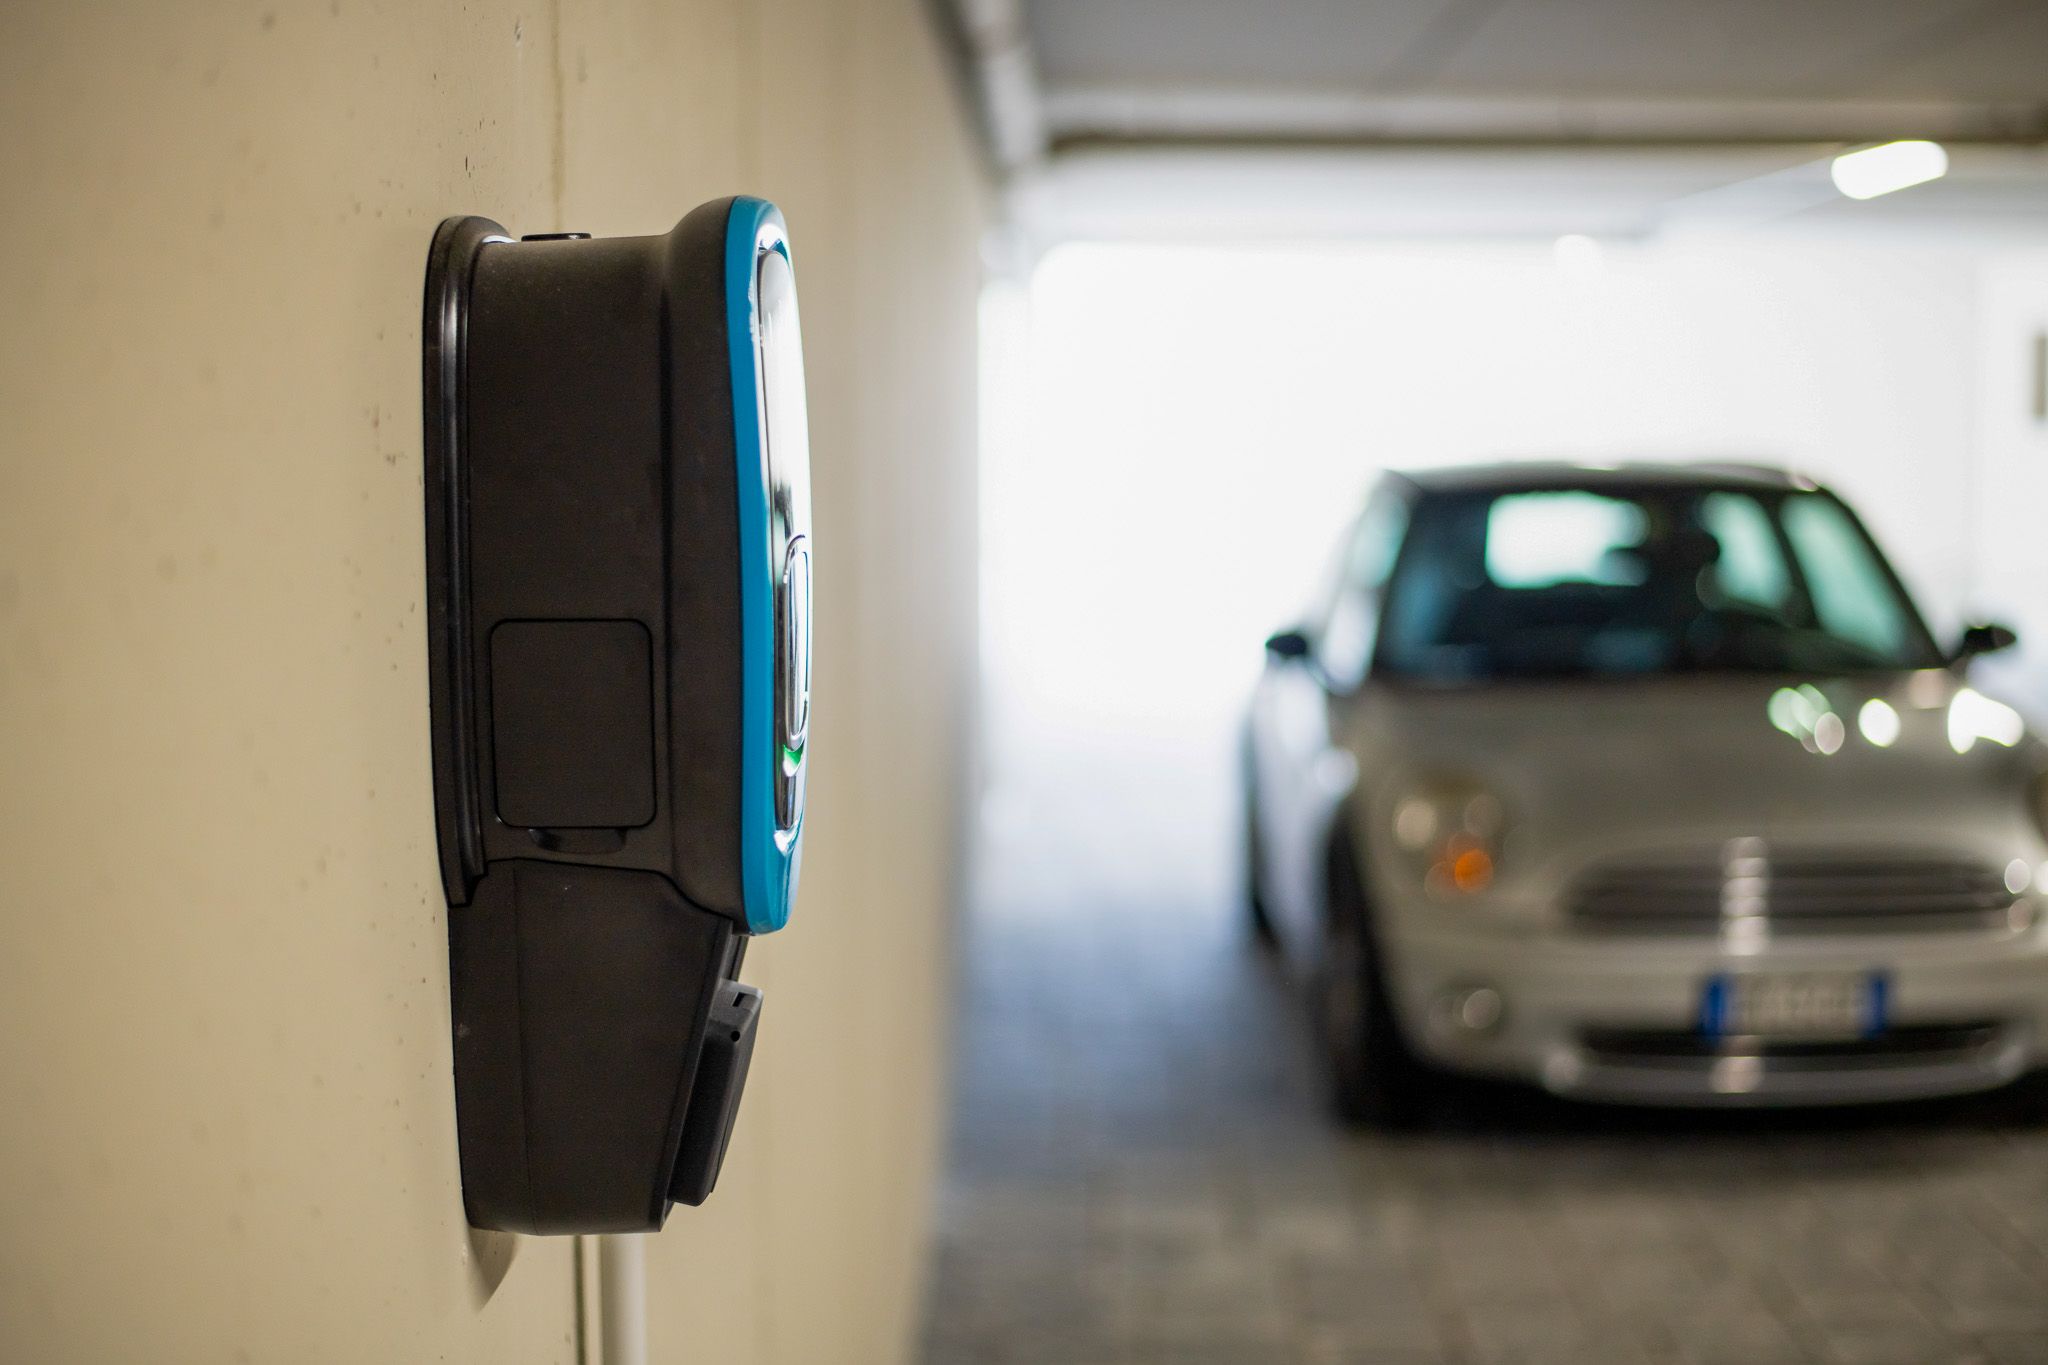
(1299, 771)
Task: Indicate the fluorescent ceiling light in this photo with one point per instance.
(1892, 166)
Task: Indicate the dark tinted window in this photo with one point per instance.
(1578, 582)
(1345, 644)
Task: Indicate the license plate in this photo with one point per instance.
(1794, 1005)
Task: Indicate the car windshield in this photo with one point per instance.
(1575, 582)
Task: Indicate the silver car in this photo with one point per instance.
(1644, 784)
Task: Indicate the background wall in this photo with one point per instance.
(1236, 402)
(1176, 434)
(228, 1128)
(2011, 431)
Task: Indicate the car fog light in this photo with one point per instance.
(1470, 1011)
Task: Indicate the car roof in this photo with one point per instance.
(1515, 476)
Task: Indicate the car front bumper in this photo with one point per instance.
(1618, 1019)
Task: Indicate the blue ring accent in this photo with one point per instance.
(768, 870)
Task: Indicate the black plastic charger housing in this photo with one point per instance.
(585, 638)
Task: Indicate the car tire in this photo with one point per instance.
(1375, 1081)
(2024, 1103)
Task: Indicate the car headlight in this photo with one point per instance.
(1451, 829)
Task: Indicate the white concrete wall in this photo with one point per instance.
(2010, 531)
(224, 1068)
(1204, 420)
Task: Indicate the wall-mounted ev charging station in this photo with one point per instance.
(618, 567)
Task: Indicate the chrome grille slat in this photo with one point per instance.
(1792, 892)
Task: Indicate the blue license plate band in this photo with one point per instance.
(1717, 1001)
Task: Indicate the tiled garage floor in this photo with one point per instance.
(1142, 1172)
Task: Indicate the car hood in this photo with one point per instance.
(1918, 756)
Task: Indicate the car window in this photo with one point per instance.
(1631, 581)
(1852, 594)
(1751, 568)
(1539, 540)
(1345, 643)
(1376, 542)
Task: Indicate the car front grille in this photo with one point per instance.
(1750, 888)
(1681, 1066)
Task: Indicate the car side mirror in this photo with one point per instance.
(1287, 644)
(1985, 639)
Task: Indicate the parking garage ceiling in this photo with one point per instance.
(1502, 117)
(1553, 70)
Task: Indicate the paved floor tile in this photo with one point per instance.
(1142, 1172)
